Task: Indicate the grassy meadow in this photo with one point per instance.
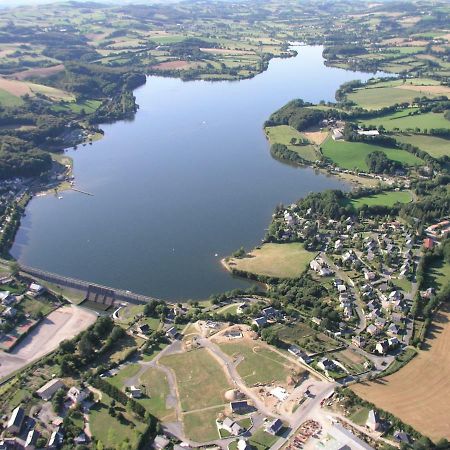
(435, 146)
(389, 198)
(275, 260)
(352, 155)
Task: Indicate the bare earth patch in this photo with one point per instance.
(439, 90)
(172, 65)
(63, 323)
(15, 87)
(418, 394)
(317, 137)
(38, 72)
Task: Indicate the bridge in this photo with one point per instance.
(85, 286)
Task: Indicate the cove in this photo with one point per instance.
(185, 183)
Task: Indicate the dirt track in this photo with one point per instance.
(64, 323)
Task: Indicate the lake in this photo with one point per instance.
(185, 183)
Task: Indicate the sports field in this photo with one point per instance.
(352, 155)
(259, 364)
(401, 394)
(283, 134)
(201, 382)
(389, 198)
(403, 121)
(275, 260)
(435, 146)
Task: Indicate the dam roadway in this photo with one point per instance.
(120, 295)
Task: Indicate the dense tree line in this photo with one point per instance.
(378, 162)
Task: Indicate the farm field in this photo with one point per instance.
(275, 260)
(351, 155)
(400, 393)
(403, 121)
(259, 364)
(435, 146)
(8, 99)
(283, 134)
(379, 95)
(438, 274)
(200, 379)
(389, 198)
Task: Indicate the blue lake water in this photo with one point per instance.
(191, 177)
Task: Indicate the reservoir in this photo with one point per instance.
(185, 183)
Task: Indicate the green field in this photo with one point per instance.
(259, 364)
(403, 121)
(110, 430)
(130, 370)
(435, 146)
(200, 379)
(156, 388)
(283, 134)
(389, 198)
(360, 415)
(35, 306)
(7, 99)
(200, 426)
(352, 155)
(275, 260)
(380, 95)
(89, 106)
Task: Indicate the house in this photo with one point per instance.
(358, 341)
(274, 427)
(16, 420)
(234, 334)
(135, 392)
(9, 312)
(372, 330)
(314, 265)
(4, 296)
(300, 354)
(392, 329)
(260, 321)
(231, 426)
(342, 288)
(143, 329)
(270, 312)
(336, 134)
(32, 437)
(241, 308)
(326, 364)
(36, 289)
(243, 445)
(382, 347)
(279, 393)
(240, 407)
(368, 132)
(76, 395)
(369, 276)
(46, 392)
(160, 442)
(428, 243)
(338, 245)
(402, 437)
(81, 439)
(172, 333)
(56, 439)
(393, 342)
(373, 421)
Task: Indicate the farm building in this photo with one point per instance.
(16, 420)
(46, 392)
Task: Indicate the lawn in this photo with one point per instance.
(34, 306)
(157, 389)
(433, 145)
(200, 379)
(403, 121)
(275, 260)
(200, 426)
(283, 134)
(352, 155)
(259, 363)
(109, 430)
(129, 371)
(389, 198)
(262, 440)
(291, 333)
(360, 415)
(89, 106)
